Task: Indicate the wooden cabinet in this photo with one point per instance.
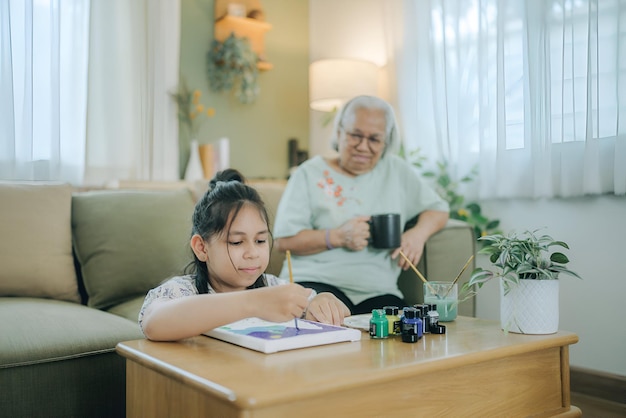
(244, 27)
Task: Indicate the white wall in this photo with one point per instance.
(343, 29)
(594, 227)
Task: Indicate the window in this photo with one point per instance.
(529, 91)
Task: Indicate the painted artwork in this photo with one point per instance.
(258, 328)
(270, 337)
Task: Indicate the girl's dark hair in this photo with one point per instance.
(226, 195)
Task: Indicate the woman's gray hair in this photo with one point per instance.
(346, 115)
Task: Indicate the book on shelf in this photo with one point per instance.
(271, 337)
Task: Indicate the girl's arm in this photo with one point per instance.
(175, 319)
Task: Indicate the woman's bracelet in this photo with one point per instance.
(329, 246)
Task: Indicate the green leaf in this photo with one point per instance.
(559, 258)
(474, 208)
(456, 201)
(560, 243)
(493, 224)
(479, 219)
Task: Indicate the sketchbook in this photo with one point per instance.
(271, 337)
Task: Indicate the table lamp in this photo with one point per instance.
(332, 82)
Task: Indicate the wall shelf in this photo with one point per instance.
(244, 27)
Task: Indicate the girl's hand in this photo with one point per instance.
(280, 303)
(326, 308)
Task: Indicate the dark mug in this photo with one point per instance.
(385, 231)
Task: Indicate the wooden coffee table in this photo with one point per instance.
(474, 370)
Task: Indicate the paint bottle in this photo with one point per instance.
(411, 325)
(424, 315)
(433, 318)
(395, 326)
(379, 325)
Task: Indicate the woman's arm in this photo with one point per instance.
(428, 223)
(352, 235)
(305, 242)
(175, 319)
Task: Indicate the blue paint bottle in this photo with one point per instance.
(424, 309)
(411, 325)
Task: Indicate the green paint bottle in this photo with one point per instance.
(379, 325)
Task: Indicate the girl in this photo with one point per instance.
(230, 243)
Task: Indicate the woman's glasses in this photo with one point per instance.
(373, 142)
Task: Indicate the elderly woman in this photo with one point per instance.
(322, 218)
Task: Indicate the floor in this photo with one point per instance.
(597, 408)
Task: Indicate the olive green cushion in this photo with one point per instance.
(129, 309)
(58, 359)
(36, 246)
(127, 242)
(38, 330)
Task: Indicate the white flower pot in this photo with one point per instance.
(531, 307)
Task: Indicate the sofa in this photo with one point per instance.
(76, 265)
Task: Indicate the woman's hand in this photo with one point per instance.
(414, 240)
(328, 309)
(355, 233)
(280, 303)
(412, 245)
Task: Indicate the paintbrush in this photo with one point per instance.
(458, 276)
(417, 272)
(295, 320)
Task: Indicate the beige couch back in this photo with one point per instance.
(270, 191)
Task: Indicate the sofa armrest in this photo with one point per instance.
(445, 254)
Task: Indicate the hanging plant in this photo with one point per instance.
(231, 65)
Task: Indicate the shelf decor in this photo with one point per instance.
(231, 65)
(191, 112)
(245, 27)
(237, 53)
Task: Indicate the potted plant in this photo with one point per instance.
(191, 114)
(529, 269)
(232, 65)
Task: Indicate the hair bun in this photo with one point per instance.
(230, 174)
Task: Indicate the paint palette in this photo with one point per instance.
(361, 322)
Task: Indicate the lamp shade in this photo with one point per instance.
(332, 82)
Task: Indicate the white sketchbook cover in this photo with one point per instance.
(270, 337)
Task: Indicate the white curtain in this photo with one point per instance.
(133, 65)
(43, 89)
(532, 91)
(84, 90)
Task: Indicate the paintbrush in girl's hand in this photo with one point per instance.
(295, 320)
